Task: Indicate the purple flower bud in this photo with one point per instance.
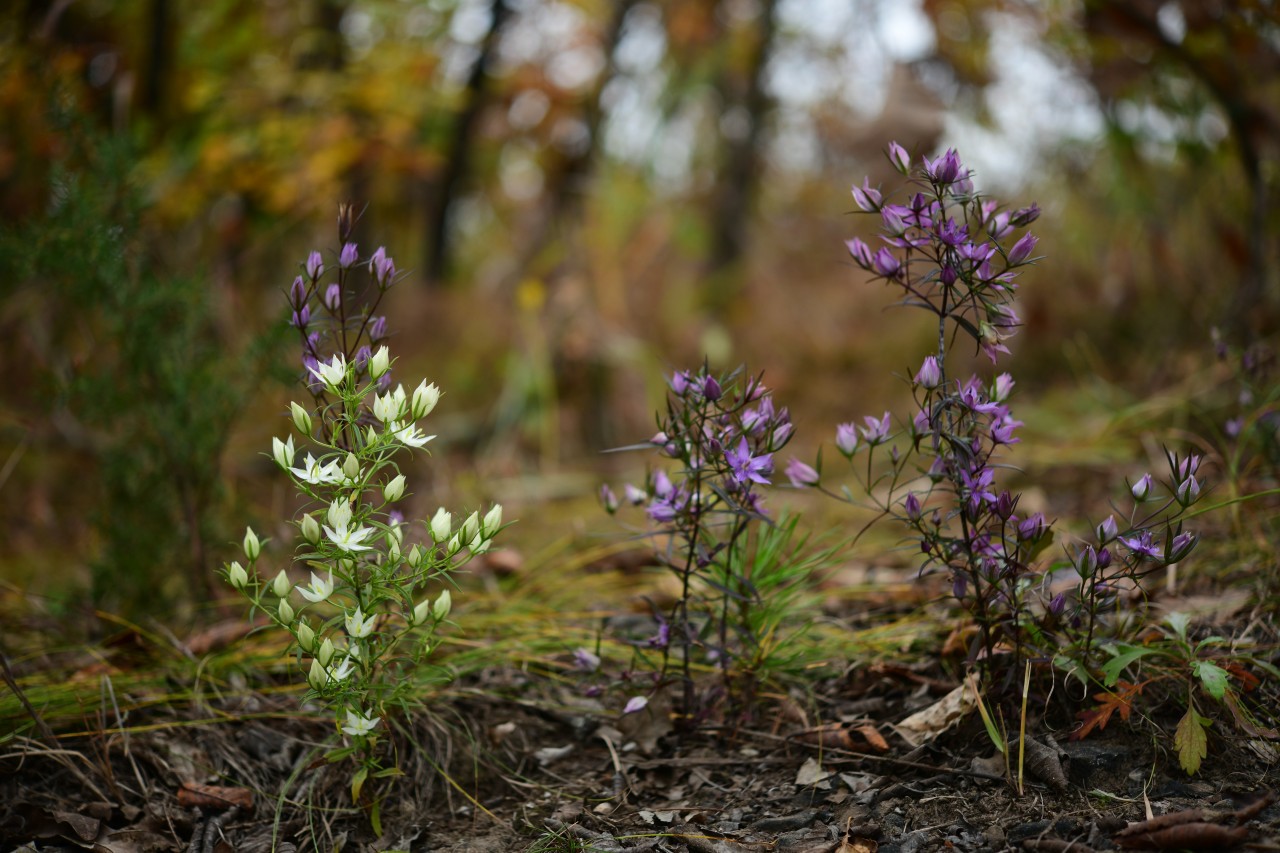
(899, 158)
(315, 266)
(711, 389)
(999, 226)
(378, 328)
(333, 297)
(634, 496)
(1057, 605)
(884, 263)
(948, 275)
(659, 439)
(802, 475)
(1005, 505)
(1182, 545)
(867, 198)
(1188, 466)
(608, 499)
(912, 506)
(1107, 530)
(382, 268)
(847, 438)
(782, 435)
(635, 704)
(586, 660)
(1022, 249)
(362, 357)
(1141, 488)
(895, 217)
(680, 382)
(1188, 491)
(348, 257)
(1104, 558)
(302, 318)
(920, 424)
(1031, 529)
(860, 252)
(662, 485)
(946, 169)
(1086, 561)
(1026, 215)
(297, 292)
(930, 374)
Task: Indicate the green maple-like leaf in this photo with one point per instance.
(1191, 741)
(1213, 677)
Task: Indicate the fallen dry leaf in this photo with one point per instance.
(811, 773)
(926, 724)
(193, 794)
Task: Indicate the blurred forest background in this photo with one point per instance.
(586, 194)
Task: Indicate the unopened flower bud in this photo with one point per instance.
(379, 362)
(899, 158)
(316, 676)
(492, 520)
(351, 467)
(281, 586)
(415, 556)
(394, 490)
(441, 525)
(286, 611)
(301, 419)
(306, 636)
(425, 398)
(471, 527)
(1141, 488)
(333, 297)
(930, 374)
(608, 499)
(325, 653)
(912, 506)
(421, 611)
(237, 576)
(1107, 530)
(282, 451)
(1086, 561)
(442, 606)
(455, 543)
(1188, 491)
(252, 548)
(310, 529)
(315, 265)
(348, 257)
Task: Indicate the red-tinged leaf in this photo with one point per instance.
(1108, 704)
(1191, 741)
(1247, 679)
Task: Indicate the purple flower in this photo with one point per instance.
(846, 438)
(1032, 528)
(662, 511)
(930, 374)
(899, 158)
(1107, 530)
(876, 431)
(912, 506)
(662, 639)
(298, 292)
(1141, 488)
(711, 389)
(1022, 249)
(1188, 466)
(801, 474)
(895, 218)
(945, 169)
(747, 468)
(1025, 216)
(586, 660)
(952, 233)
(348, 257)
(635, 704)
(1058, 603)
(867, 198)
(315, 266)
(1188, 491)
(302, 318)
(608, 499)
(1142, 546)
(680, 382)
(1181, 546)
(333, 297)
(1002, 429)
(860, 252)
(378, 328)
(382, 267)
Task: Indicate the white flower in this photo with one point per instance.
(425, 398)
(394, 490)
(493, 520)
(333, 373)
(282, 452)
(379, 362)
(441, 525)
(387, 408)
(315, 474)
(359, 625)
(358, 725)
(342, 671)
(319, 590)
(407, 433)
(349, 539)
(339, 513)
(237, 576)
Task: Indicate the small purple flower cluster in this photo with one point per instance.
(330, 320)
(722, 433)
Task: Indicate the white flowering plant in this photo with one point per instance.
(367, 619)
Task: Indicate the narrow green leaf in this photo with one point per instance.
(357, 782)
(1114, 668)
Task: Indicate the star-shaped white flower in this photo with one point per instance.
(342, 670)
(319, 590)
(349, 538)
(407, 434)
(359, 625)
(331, 373)
(315, 474)
(358, 725)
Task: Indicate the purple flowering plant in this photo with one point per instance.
(364, 627)
(957, 255)
(721, 434)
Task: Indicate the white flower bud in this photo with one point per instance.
(281, 586)
(301, 419)
(306, 636)
(425, 398)
(310, 529)
(386, 408)
(493, 520)
(237, 576)
(325, 654)
(317, 677)
(415, 556)
(441, 525)
(471, 526)
(351, 467)
(479, 545)
(286, 611)
(370, 436)
(252, 548)
(282, 451)
(421, 611)
(442, 606)
(380, 362)
(393, 547)
(394, 490)
(455, 542)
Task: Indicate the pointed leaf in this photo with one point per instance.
(1213, 677)
(1191, 741)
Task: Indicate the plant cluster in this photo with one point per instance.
(364, 627)
(714, 534)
